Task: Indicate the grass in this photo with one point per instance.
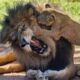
(71, 8)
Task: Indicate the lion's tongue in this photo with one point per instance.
(35, 43)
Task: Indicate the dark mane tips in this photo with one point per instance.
(21, 8)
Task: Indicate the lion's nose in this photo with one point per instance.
(23, 42)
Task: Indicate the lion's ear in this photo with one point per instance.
(30, 11)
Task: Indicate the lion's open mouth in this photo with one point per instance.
(38, 46)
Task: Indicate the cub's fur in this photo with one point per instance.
(59, 24)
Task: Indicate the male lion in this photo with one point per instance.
(42, 57)
(58, 24)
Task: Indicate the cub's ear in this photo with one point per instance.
(4, 33)
(47, 6)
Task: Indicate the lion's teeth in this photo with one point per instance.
(41, 50)
(44, 46)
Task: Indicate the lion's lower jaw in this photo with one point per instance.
(35, 61)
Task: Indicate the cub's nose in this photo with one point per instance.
(23, 42)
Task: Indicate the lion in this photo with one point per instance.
(41, 56)
(59, 24)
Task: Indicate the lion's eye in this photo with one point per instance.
(21, 27)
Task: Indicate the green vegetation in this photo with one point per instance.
(71, 7)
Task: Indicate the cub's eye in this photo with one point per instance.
(50, 18)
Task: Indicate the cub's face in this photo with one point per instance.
(46, 18)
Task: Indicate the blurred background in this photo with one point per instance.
(71, 7)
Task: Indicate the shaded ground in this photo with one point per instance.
(22, 76)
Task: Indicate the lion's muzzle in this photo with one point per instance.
(23, 42)
(37, 45)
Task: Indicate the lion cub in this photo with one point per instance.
(59, 25)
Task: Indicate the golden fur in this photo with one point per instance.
(8, 61)
(24, 25)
